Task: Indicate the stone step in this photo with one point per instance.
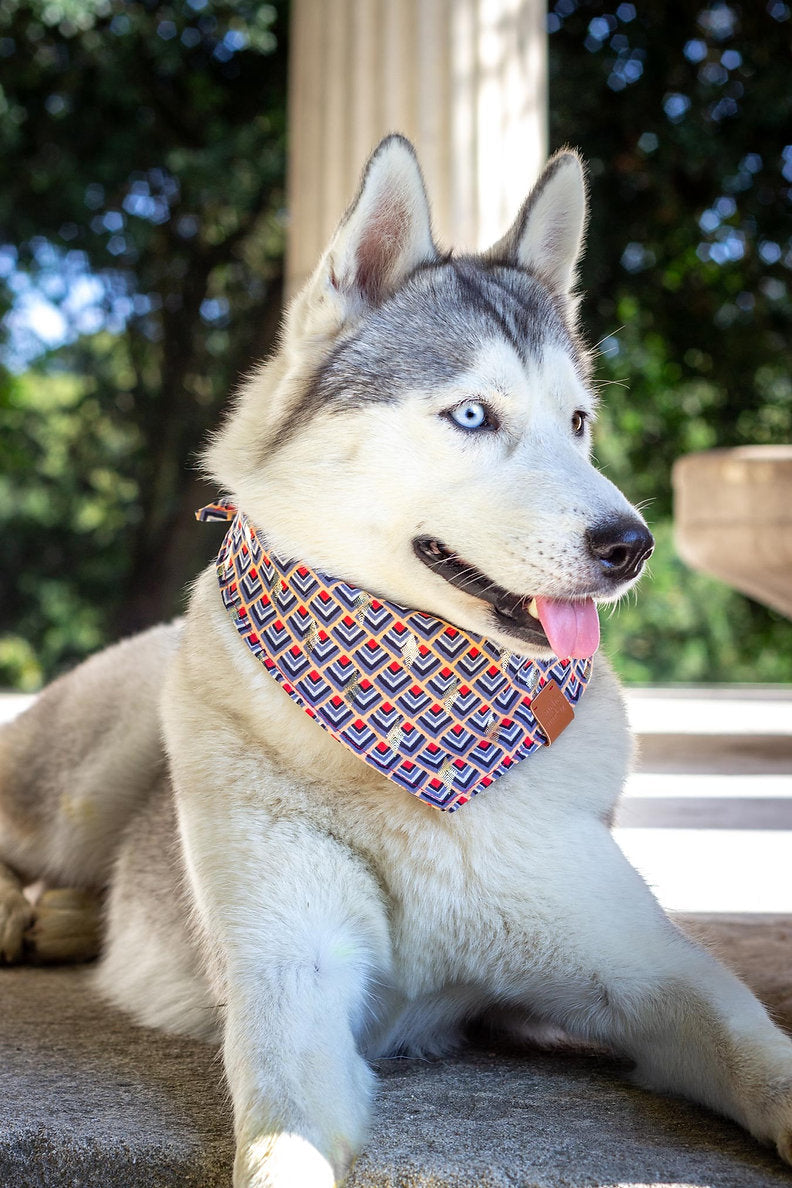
(88, 1099)
(707, 816)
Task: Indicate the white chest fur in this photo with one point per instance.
(464, 898)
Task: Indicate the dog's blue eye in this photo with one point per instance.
(472, 415)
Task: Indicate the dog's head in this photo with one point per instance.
(425, 429)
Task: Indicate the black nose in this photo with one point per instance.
(620, 547)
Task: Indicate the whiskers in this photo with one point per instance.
(466, 568)
(483, 586)
(627, 598)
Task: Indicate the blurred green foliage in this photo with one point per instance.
(684, 114)
(141, 231)
(144, 157)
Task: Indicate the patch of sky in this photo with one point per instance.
(214, 309)
(187, 226)
(786, 157)
(729, 247)
(56, 105)
(647, 142)
(94, 195)
(695, 50)
(675, 106)
(60, 302)
(709, 221)
(773, 288)
(8, 259)
(636, 257)
(609, 347)
(725, 206)
(714, 74)
(233, 41)
(47, 313)
(626, 70)
(735, 182)
(160, 179)
(718, 20)
(601, 27)
(724, 108)
(140, 202)
(769, 251)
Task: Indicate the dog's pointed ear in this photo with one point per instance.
(385, 234)
(547, 236)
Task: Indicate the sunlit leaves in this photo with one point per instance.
(688, 288)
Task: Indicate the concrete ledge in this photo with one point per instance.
(87, 1098)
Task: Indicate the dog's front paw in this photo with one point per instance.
(15, 917)
(287, 1161)
(784, 1139)
(67, 927)
(784, 1145)
(772, 1120)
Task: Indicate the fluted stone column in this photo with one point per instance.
(466, 80)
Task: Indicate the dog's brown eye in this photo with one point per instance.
(578, 422)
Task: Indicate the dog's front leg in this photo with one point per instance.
(297, 929)
(627, 977)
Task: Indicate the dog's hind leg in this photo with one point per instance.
(151, 963)
(73, 769)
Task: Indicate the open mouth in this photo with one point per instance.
(565, 627)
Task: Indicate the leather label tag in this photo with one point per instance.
(552, 711)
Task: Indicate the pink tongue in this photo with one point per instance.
(571, 627)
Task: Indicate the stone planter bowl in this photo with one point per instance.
(733, 519)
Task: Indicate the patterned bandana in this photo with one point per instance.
(441, 712)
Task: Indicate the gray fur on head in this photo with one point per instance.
(385, 311)
(410, 317)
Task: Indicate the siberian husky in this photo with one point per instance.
(420, 440)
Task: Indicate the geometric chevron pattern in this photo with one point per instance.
(441, 712)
